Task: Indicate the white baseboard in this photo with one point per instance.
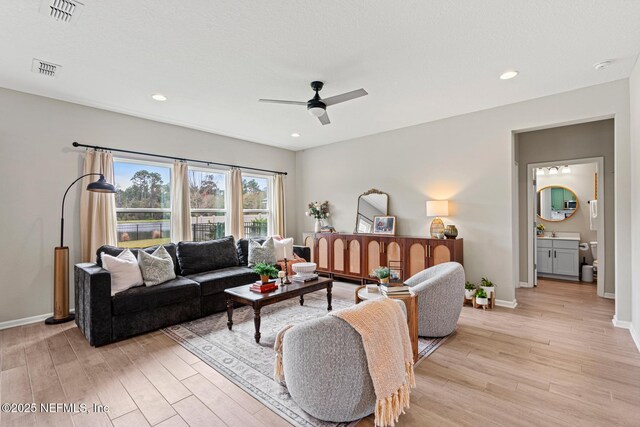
(620, 323)
(526, 285)
(507, 304)
(609, 295)
(26, 320)
(635, 335)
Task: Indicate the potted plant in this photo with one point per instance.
(469, 290)
(488, 286)
(481, 297)
(382, 273)
(540, 229)
(319, 211)
(265, 271)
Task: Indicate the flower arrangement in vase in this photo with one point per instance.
(319, 211)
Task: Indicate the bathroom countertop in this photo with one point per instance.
(561, 236)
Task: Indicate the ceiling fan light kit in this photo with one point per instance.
(317, 106)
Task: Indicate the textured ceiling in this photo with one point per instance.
(419, 60)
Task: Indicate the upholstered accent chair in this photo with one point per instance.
(441, 292)
(325, 369)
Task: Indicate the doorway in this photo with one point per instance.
(566, 217)
(559, 147)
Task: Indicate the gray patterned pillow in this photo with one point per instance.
(157, 267)
(262, 253)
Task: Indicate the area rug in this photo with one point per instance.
(236, 355)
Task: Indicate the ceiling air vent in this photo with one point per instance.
(44, 68)
(62, 10)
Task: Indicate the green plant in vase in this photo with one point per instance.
(481, 297)
(540, 229)
(382, 273)
(469, 290)
(265, 271)
(488, 286)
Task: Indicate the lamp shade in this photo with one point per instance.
(437, 208)
(101, 186)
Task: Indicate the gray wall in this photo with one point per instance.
(593, 139)
(37, 163)
(635, 195)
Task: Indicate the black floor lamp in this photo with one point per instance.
(61, 258)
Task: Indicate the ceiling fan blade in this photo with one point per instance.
(332, 100)
(324, 119)
(280, 101)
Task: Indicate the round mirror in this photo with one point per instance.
(556, 203)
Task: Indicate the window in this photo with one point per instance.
(256, 201)
(143, 203)
(208, 206)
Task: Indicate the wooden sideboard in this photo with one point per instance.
(355, 256)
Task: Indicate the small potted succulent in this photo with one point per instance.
(540, 229)
(469, 290)
(481, 297)
(382, 273)
(488, 286)
(265, 271)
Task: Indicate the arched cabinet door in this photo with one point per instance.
(355, 258)
(323, 254)
(338, 255)
(417, 260)
(373, 256)
(393, 252)
(309, 241)
(441, 254)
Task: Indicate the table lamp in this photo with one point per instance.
(437, 208)
(61, 258)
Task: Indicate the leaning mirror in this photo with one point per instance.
(370, 204)
(556, 203)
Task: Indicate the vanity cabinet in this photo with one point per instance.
(558, 258)
(355, 256)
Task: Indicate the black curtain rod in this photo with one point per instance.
(95, 147)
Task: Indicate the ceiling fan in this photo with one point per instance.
(317, 106)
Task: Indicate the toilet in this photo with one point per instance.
(594, 253)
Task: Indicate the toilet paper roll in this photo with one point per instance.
(584, 247)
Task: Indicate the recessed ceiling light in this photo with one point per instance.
(508, 75)
(159, 97)
(295, 135)
(602, 64)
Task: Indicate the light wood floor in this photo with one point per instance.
(555, 360)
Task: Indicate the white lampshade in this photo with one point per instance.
(553, 171)
(566, 169)
(437, 208)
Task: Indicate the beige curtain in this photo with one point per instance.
(97, 210)
(237, 216)
(278, 205)
(180, 203)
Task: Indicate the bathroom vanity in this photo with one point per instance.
(558, 256)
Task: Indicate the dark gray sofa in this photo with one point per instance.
(203, 271)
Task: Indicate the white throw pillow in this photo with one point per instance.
(124, 270)
(284, 248)
(156, 268)
(262, 253)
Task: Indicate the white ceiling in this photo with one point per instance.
(419, 60)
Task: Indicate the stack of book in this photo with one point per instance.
(307, 277)
(264, 287)
(393, 290)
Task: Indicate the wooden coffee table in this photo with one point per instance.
(244, 296)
